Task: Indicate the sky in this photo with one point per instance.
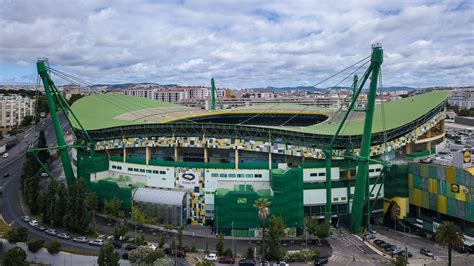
(242, 44)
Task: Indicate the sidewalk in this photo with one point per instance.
(62, 258)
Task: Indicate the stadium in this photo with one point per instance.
(183, 165)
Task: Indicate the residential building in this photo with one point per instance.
(14, 108)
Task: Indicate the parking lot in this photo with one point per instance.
(414, 243)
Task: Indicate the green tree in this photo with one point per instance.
(27, 120)
(144, 254)
(113, 208)
(162, 241)
(399, 261)
(92, 203)
(43, 155)
(35, 245)
(276, 230)
(262, 205)
(220, 245)
(322, 230)
(249, 253)
(15, 256)
(54, 247)
(311, 225)
(78, 217)
(120, 231)
(15, 235)
(60, 205)
(449, 235)
(107, 256)
(138, 216)
(205, 263)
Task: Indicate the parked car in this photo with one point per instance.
(402, 254)
(181, 253)
(131, 247)
(226, 260)
(246, 262)
(264, 263)
(378, 242)
(321, 261)
(6, 175)
(281, 263)
(151, 245)
(426, 252)
(51, 232)
(33, 223)
(372, 231)
(384, 245)
(44, 174)
(390, 248)
(81, 239)
(97, 242)
(65, 236)
(40, 227)
(5, 155)
(117, 243)
(211, 257)
(26, 218)
(369, 237)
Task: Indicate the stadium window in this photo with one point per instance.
(130, 169)
(142, 170)
(155, 171)
(148, 171)
(135, 169)
(114, 167)
(240, 175)
(163, 178)
(231, 175)
(162, 172)
(241, 200)
(322, 174)
(222, 175)
(378, 170)
(313, 174)
(335, 199)
(119, 167)
(372, 195)
(249, 175)
(371, 170)
(343, 198)
(258, 175)
(214, 175)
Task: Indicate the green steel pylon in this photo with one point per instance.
(360, 192)
(213, 95)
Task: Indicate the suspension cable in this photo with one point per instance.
(383, 112)
(341, 71)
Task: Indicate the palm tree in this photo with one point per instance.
(448, 234)
(262, 206)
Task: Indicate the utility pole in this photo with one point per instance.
(232, 235)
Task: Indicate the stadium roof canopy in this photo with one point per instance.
(102, 111)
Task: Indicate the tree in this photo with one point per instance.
(54, 247)
(322, 230)
(43, 155)
(399, 261)
(92, 203)
(205, 263)
(276, 230)
(262, 205)
(311, 225)
(162, 241)
(137, 215)
(449, 235)
(27, 120)
(113, 208)
(249, 253)
(78, 217)
(35, 245)
(1, 135)
(144, 254)
(15, 235)
(220, 245)
(107, 256)
(120, 231)
(15, 256)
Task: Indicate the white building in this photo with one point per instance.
(14, 108)
(462, 97)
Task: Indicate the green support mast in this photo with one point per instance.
(42, 68)
(360, 197)
(364, 153)
(213, 95)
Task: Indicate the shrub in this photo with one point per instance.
(17, 235)
(54, 247)
(228, 253)
(125, 256)
(302, 255)
(35, 245)
(15, 256)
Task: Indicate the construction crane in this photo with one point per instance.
(361, 195)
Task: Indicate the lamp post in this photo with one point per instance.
(232, 234)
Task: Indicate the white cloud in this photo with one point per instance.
(241, 44)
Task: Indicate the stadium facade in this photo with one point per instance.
(184, 165)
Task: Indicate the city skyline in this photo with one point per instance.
(256, 44)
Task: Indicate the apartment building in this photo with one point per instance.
(462, 97)
(171, 95)
(14, 108)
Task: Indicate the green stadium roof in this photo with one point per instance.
(100, 111)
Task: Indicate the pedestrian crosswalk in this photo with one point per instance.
(347, 260)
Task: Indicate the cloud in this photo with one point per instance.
(250, 44)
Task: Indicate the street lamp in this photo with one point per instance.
(232, 235)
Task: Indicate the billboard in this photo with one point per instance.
(188, 178)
